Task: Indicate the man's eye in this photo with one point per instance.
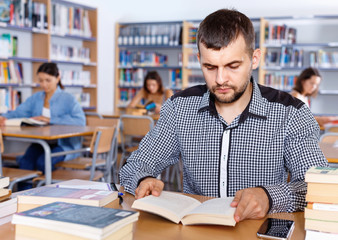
(210, 68)
(234, 66)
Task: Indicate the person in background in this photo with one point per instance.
(307, 85)
(235, 138)
(53, 106)
(152, 91)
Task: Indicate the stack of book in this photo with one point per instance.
(321, 213)
(60, 220)
(72, 210)
(7, 204)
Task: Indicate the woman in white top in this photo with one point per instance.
(307, 85)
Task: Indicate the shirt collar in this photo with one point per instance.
(256, 108)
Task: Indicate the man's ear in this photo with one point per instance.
(256, 56)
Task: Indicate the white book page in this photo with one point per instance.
(170, 205)
(82, 184)
(215, 207)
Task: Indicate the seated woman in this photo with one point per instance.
(307, 85)
(152, 91)
(54, 106)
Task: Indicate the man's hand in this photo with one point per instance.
(149, 186)
(250, 203)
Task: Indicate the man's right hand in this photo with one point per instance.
(149, 186)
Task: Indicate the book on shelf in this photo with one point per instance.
(5, 7)
(322, 175)
(318, 235)
(44, 195)
(187, 210)
(4, 181)
(24, 122)
(60, 220)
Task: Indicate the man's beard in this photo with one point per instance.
(222, 98)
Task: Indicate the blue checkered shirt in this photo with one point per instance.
(275, 135)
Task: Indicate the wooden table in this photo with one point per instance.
(330, 151)
(41, 135)
(150, 227)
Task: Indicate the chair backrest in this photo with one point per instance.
(333, 129)
(93, 115)
(103, 143)
(136, 125)
(1, 143)
(329, 137)
(1, 151)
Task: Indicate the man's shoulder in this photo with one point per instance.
(195, 91)
(277, 96)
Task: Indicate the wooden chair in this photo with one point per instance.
(15, 175)
(102, 141)
(329, 137)
(84, 163)
(332, 129)
(132, 126)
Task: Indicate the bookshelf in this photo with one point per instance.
(143, 47)
(291, 44)
(58, 31)
(182, 68)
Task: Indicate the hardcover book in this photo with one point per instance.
(187, 210)
(38, 196)
(74, 221)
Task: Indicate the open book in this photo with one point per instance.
(24, 122)
(180, 208)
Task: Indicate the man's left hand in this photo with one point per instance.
(250, 203)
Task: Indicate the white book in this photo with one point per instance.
(24, 122)
(177, 208)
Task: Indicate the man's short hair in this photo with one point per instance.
(222, 27)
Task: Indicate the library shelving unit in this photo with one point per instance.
(143, 47)
(138, 42)
(66, 33)
(291, 44)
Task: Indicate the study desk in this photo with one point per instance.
(330, 151)
(41, 135)
(151, 227)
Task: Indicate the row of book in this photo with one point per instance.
(280, 34)
(8, 45)
(7, 204)
(324, 59)
(192, 35)
(11, 72)
(126, 95)
(69, 210)
(321, 212)
(83, 98)
(142, 58)
(70, 53)
(9, 99)
(135, 77)
(285, 57)
(70, 77)
(70, 20)
(280, 81)
(18, 12)
(151, 34)
(195, 79)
